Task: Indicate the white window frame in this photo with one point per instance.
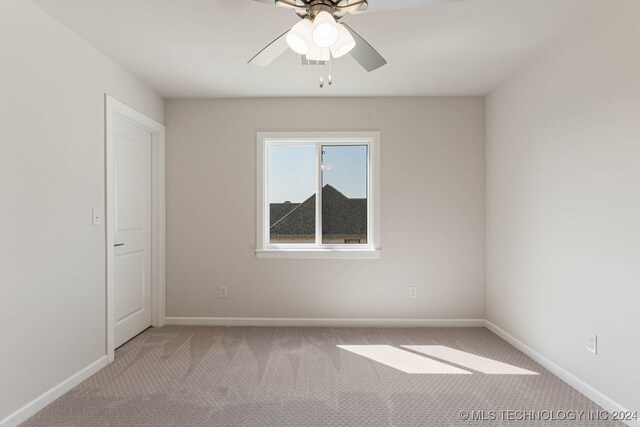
(370, 250)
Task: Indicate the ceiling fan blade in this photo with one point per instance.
(273, 50)
(346, 6)
(290, 4)
(386, 5)
(364, 53)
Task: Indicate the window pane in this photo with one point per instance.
(344, 194)
(292, 201)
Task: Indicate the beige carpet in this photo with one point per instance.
(278, 377)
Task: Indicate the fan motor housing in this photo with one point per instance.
(317, 6)
(311, 8)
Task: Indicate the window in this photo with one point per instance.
(318, 195)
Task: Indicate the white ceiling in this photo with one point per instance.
(200, 48)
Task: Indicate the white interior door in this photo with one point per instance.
(132, 230)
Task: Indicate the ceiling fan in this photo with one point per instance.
(319, 36)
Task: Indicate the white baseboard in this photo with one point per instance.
(566, 376)
(48, 397)
(323, 322)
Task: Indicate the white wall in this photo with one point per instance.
(432, 194)
(52, 275)
(563, 203)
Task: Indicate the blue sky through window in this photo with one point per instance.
(345, 169)
(292, 171)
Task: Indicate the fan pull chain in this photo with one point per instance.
(329, 76)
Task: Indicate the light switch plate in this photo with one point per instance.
(96, 216)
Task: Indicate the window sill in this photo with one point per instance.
(318, 253)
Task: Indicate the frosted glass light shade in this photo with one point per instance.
(344, 44)
(325, 30)
(299, 37)
(317, 53)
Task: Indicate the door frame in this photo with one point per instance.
(113, 109)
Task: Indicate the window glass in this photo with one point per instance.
(292, 202)
(344, 194)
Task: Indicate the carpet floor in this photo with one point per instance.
(281, 377)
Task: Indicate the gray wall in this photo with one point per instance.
(52, 261)
(432, 194)
(563, 203)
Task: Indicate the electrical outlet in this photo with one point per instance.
(592, 343)
(413, 292)
(223, 292)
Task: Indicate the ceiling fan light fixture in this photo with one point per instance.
(344, 44)
(325, 30)
(317, 53)
(299, 37)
